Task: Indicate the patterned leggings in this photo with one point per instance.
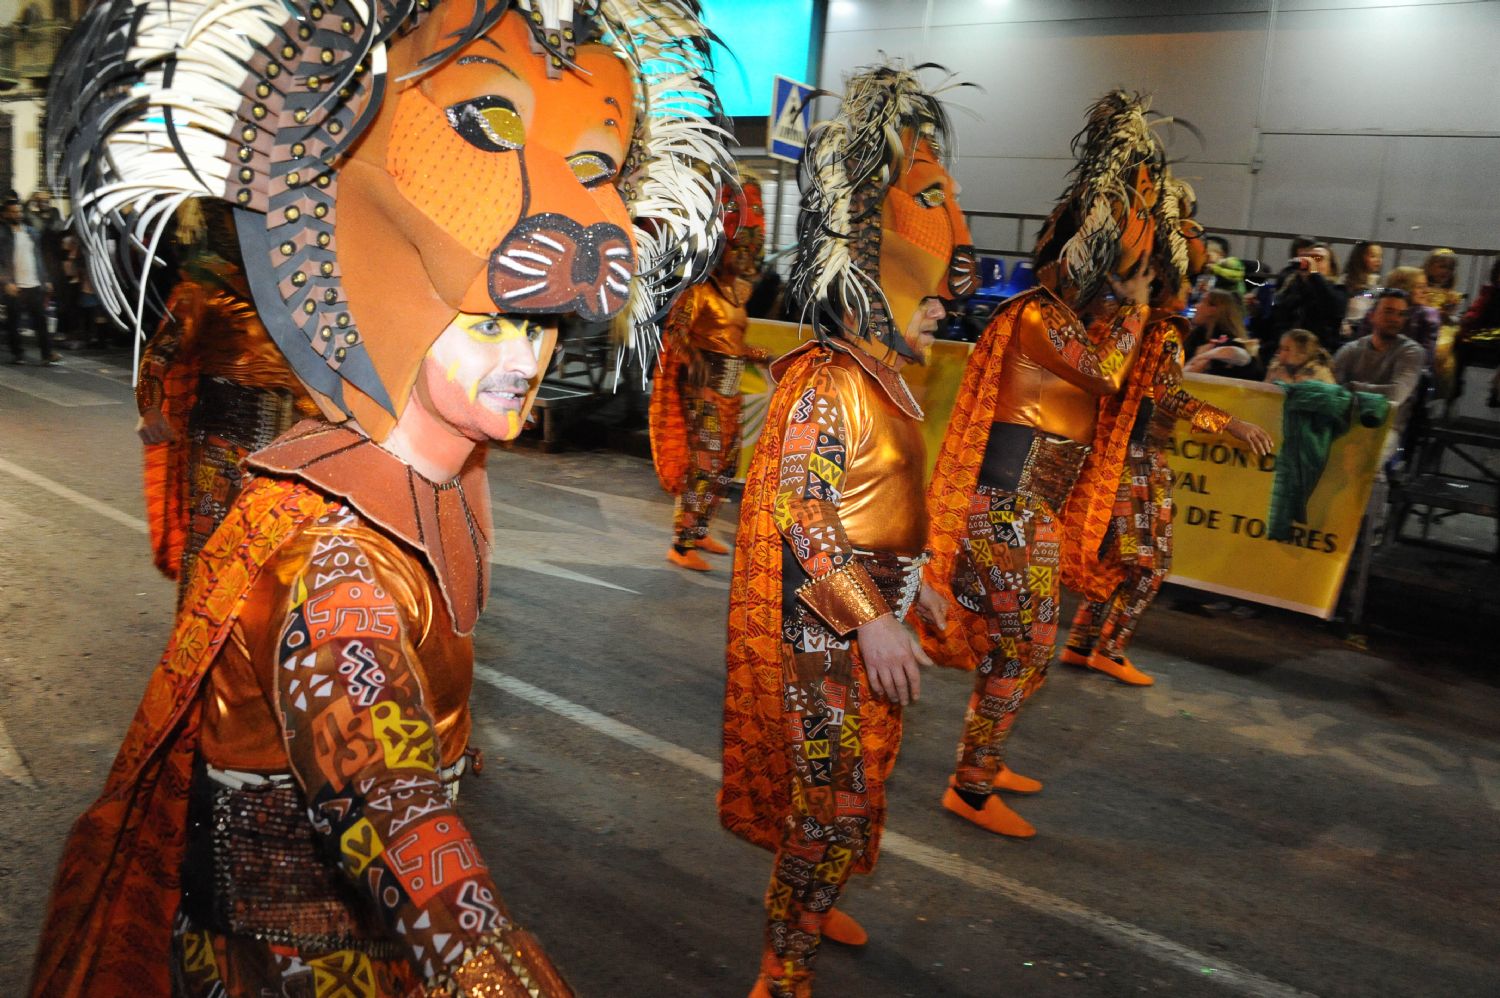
(1008, 574)
(713, 425)
(1141, 533)
(836, 804)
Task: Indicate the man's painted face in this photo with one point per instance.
(925, 247)
(485, 187)
(481, 375)
(745, 230)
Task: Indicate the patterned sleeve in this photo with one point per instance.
(815, 454)
(363, 747)
(1176, 401)
(1095, 358)
(178, 330)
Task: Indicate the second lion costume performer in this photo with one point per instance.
(832, 526)
(422, 189)
(1118, 537)
(695, 397)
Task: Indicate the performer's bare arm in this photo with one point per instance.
(818, 446)
(363, 745)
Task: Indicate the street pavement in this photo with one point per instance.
(1282, 814)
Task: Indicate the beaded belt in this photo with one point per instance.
(1024, 460)
(255, 867)
(722, 373)
(898, 577)
(250, 417)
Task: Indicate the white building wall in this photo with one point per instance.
(1353, 118)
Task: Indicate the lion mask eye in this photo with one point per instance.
(932, 197)
(592, 168)
(489, 122)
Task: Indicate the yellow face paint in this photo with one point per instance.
(513, 423)
(494, 328)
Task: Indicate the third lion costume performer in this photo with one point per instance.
(695, 398)
(422, 189)
(1022, 425)
(1118, 524)
(832, 526)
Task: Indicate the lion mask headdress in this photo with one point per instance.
(396, 162)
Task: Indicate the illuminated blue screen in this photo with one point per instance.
(766, 39)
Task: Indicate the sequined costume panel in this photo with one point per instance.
(806, 750)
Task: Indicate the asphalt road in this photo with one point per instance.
(1280, 815)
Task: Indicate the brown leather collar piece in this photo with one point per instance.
(887, 377)
(449, 524)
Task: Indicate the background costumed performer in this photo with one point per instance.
(695, 395)
(832, 525)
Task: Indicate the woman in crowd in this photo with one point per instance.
(1300, 357)
(1422, 320)
(1441, 268)
(1218, 341)
(1309, 296)
(1361, 278)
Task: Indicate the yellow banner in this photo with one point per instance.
(1221, 491)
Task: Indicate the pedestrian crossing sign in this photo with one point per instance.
(791, 113)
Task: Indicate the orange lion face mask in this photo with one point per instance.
(484, 186)
(925, 247)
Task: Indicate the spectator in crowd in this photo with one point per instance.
(1308, 296)
(1422, 320)
(1480, 330)
(1385, 361)
(1441, 269)
(1218, 340)
(1220, 269)
(1300, 357)
(25, 282)
(1361, 279)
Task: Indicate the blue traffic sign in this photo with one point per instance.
(791, 114)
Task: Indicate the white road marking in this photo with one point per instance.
(59, 489)
(47, 389)
(1144, 941)
(12, 766)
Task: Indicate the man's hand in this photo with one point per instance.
(891, 656)
(154, 428)
(1136, 289)
(1257, 439)
(932, 607)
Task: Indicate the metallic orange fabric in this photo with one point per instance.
(665, 418)
(755, 796)
(108, 927)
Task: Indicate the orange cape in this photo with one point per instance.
(668, 425)
(1086, 568)
(166, 467)
(755, 798)
(108, 929)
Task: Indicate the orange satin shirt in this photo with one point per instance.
(1042, 386)
(717, 324)
(240, 727)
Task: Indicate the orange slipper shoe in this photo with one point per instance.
(1012, 781)
(1070, 656)
(689, 559)
(993, 817)
(841, 928)
(711, 545)
(1121, 670)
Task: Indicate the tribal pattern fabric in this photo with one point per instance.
(1127, 567)
(806, 750)
(1008, 576)
(713, 433)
